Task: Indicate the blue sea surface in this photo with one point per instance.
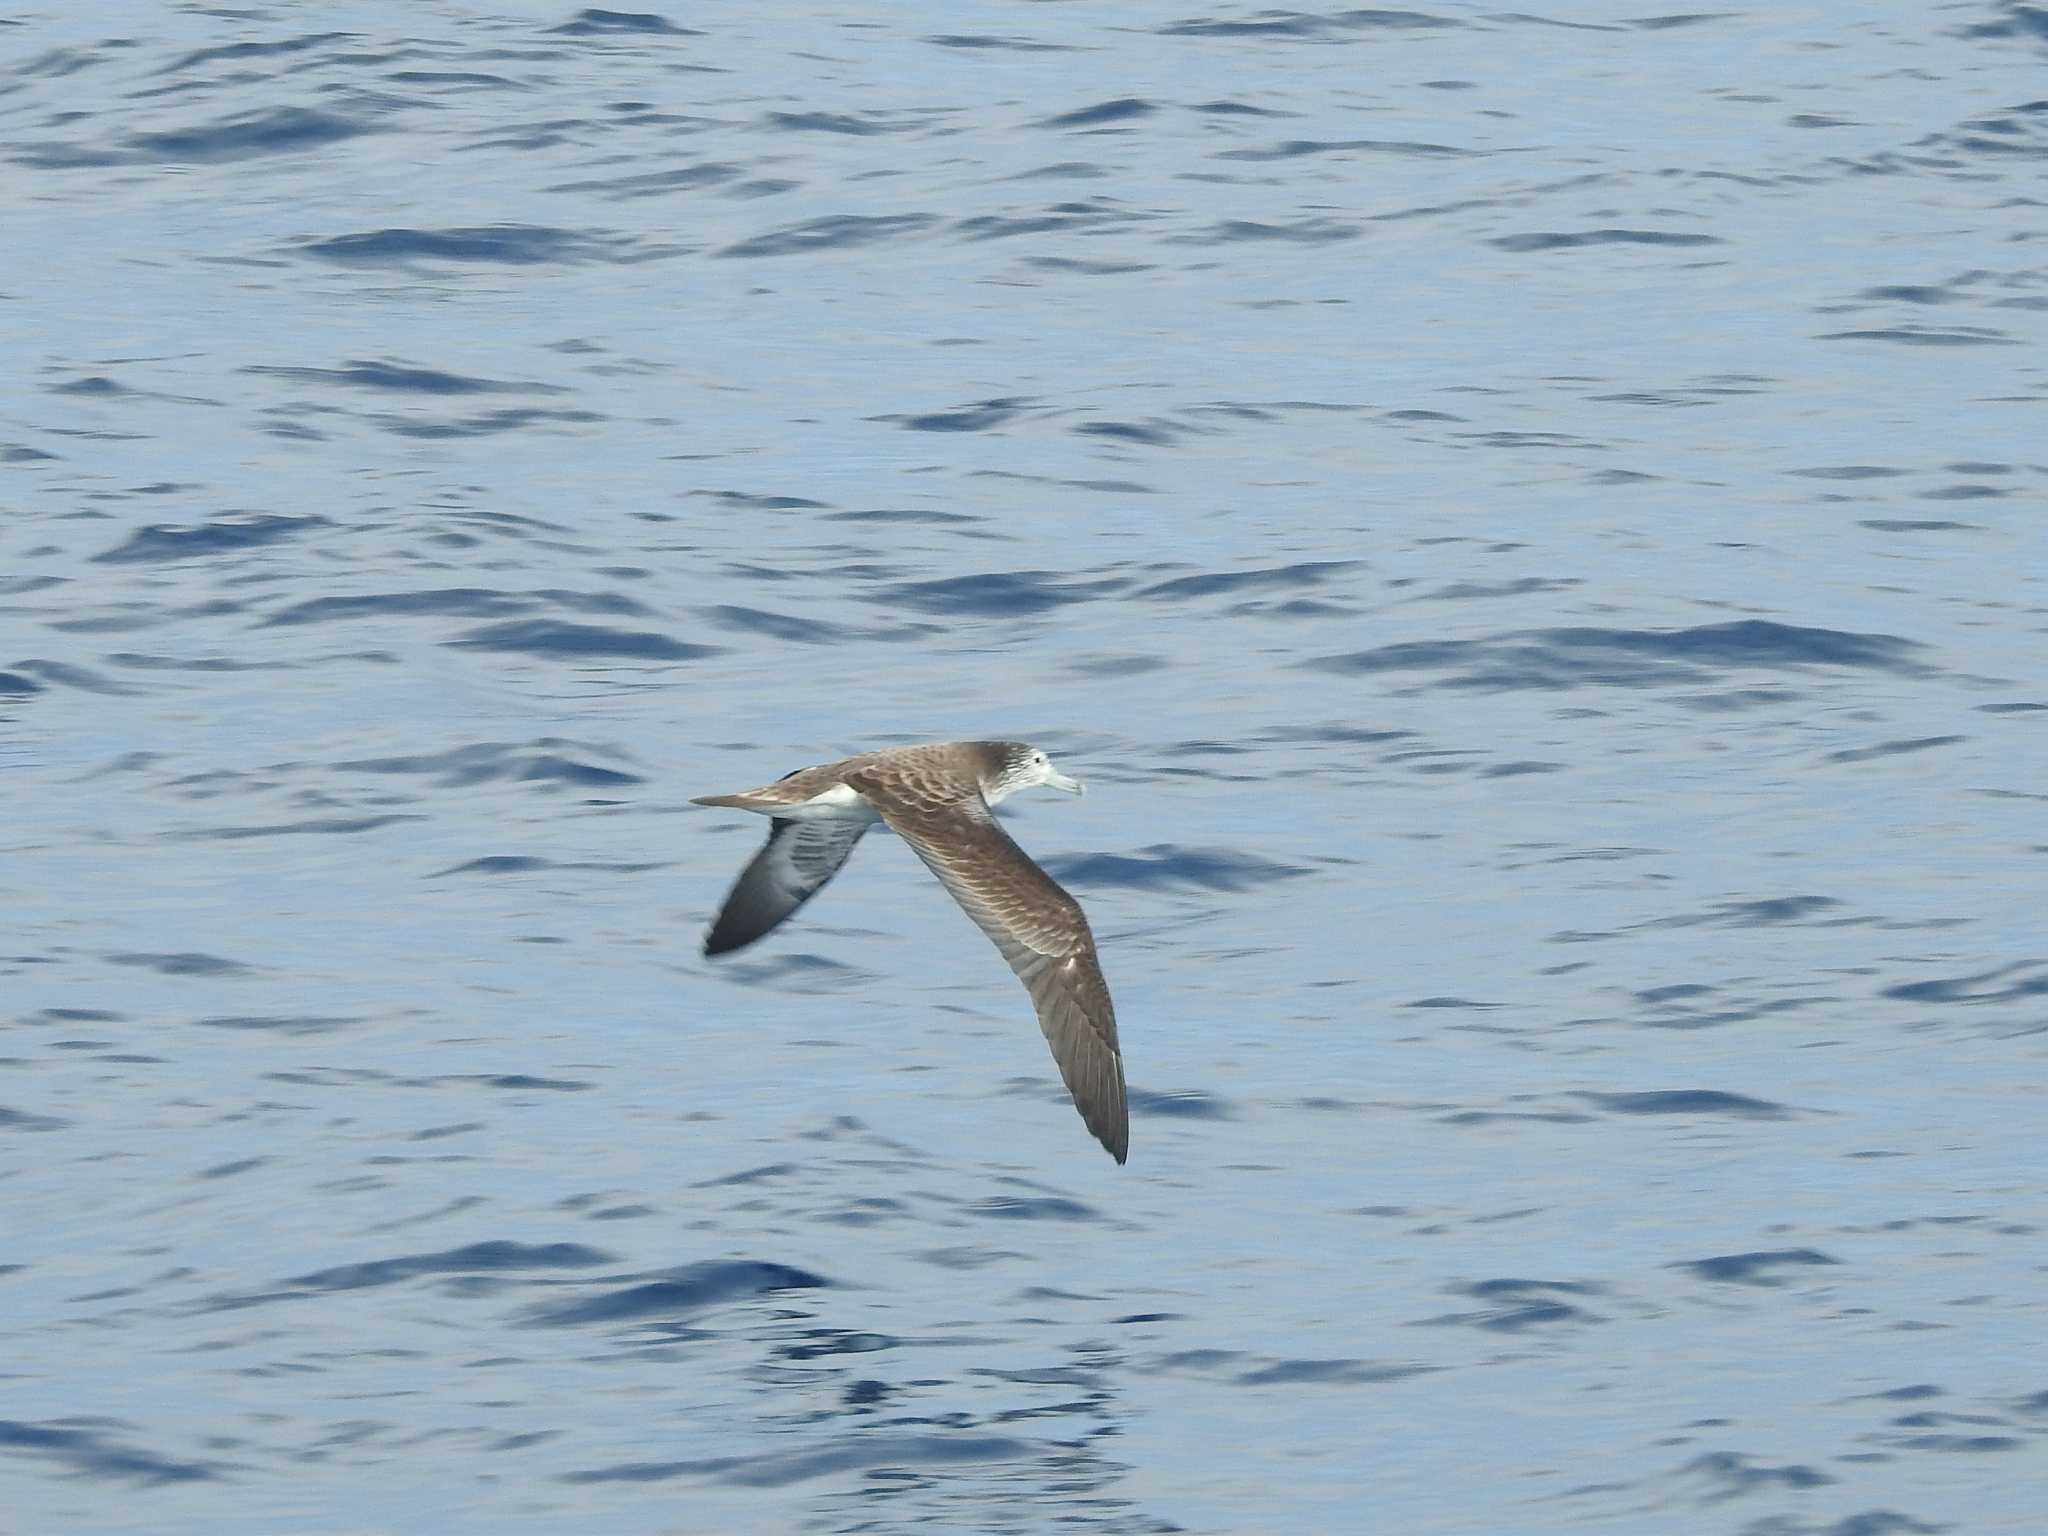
(1529, 522)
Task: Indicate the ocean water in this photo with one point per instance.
(1530, 523)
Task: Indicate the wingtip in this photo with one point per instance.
(1115, 1138)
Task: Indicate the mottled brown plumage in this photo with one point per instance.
(938, 799)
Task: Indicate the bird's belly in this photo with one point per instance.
(839, 803)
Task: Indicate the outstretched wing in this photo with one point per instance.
(792, 867)
(1037, 926)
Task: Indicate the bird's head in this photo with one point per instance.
(1019, 765)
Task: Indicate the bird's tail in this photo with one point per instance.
(740, 803)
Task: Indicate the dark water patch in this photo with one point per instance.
(145, 661)
(2006, 984)
(918, 515)
(766, 1173)
(281, 1023)
(1628, 658)
(87, 1448)
(1563, 241)
(1192, 1104)
(653, 183)
(453, 77)
(163, 541)
(829, 122)
(188, 963)
(592, 22)
(1033, 1208)
(1279, 24)
(1917, 525)
(1687, 1101)
(1091, 217)
(2019, 20)
(2018, 708)
(1467, 591)
(463, 602)
(1514, 1305)
(678, 1293)
(1520, 768)
(19, 453)
(1309, 231)
(499, 1256)
(520, 864)
(1964, 493)
(22, 1120)
(1122, 110)
(805, 975)
(1928, 336)
(13, 684)
(1680, 19)
(1971, 1444)
(517, 1082)
(1170, 866)
(1062, 170)
(229, 1170)
(777, 626)
(1759, 913)
(1107, 487)
(398, 377)
(969, 1256)
(1295, 149)
(827, 1343)
(508, 419)
(1460, 1003)
(316, 826)
(879, 1455)
(1912, 293)
(280, 131)
(1720, 1476)
(546, 760)
(1309, 573)
(994, 594)
(286, 45)
(1152, 434)
(1892, 748)
(555, 638)
(984, 40)
(1325, 1373)
(498, 244)
(1849, 472)
(751, 501)
(63, 674)
(838, 232)
(94, 386)
(1116, 666)
(1755, 1268)
(978, 416)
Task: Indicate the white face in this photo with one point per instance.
(1038, 769)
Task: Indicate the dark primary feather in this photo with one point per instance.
(1039, 929)
(792, 867)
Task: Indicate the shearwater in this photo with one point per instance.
(938, 798)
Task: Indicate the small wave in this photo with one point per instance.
(1755, 1268)
(1687, 1101)
(678, 1293)
(554, 638)
(163, 541)
(838, 232)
